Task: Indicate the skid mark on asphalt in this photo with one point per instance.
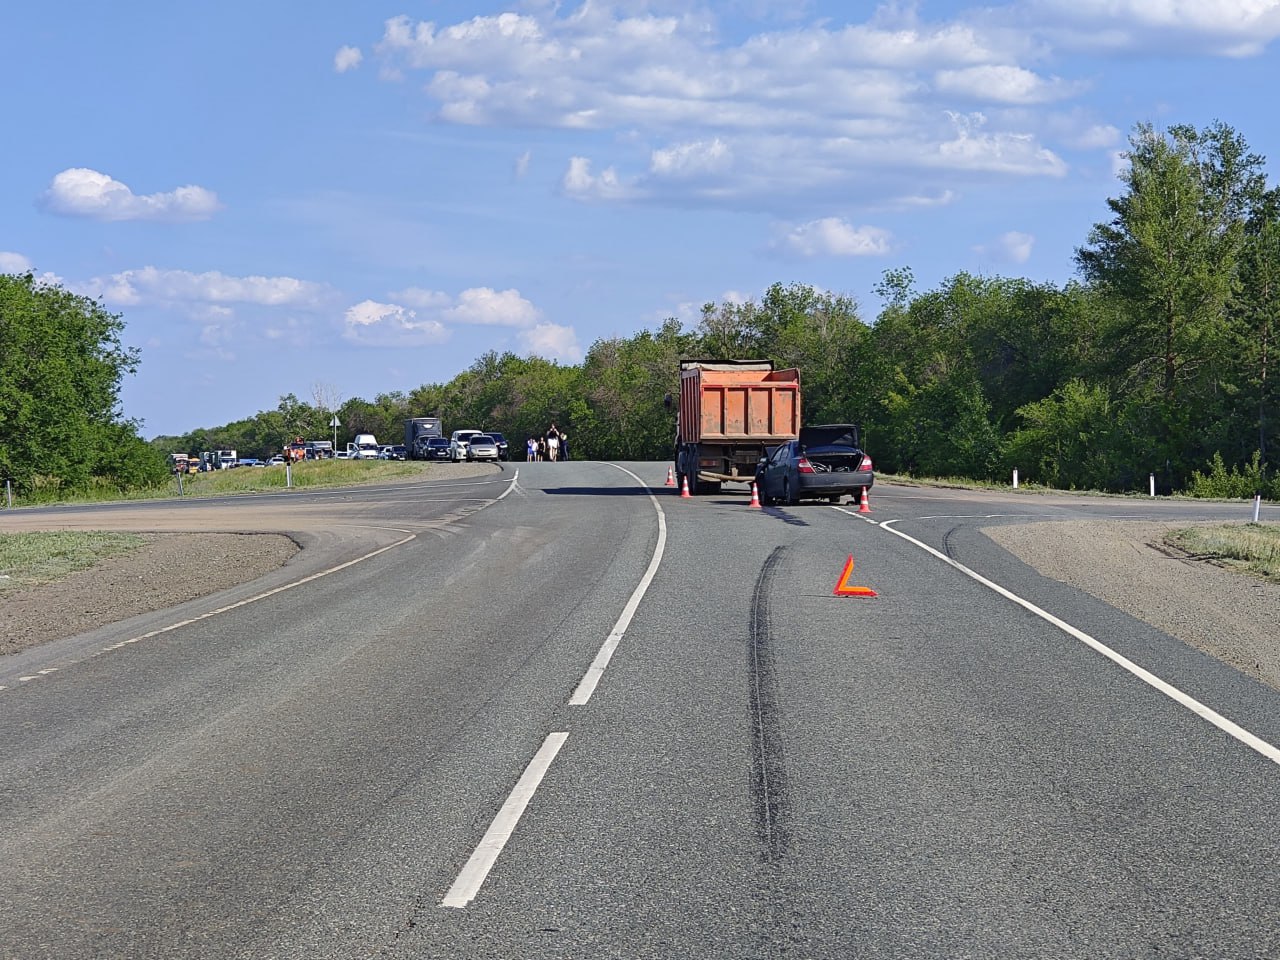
(768, 762)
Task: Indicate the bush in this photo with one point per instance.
(1221, 484)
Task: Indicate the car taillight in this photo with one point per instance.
(804, 466)
(866, 463)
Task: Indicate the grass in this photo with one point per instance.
(31, 558)
(1250, 547)
(219, 483)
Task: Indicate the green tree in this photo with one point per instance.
(61, 366)
(1169, 259)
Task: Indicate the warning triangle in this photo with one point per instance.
(845, 589)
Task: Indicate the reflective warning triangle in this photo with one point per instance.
(845, 589)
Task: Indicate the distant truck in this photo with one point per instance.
(317, 450)
(419, 429)
(364, 447)
(730, 413)
(218, 459)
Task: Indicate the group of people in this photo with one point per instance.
(553, 445)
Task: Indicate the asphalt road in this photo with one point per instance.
(389, 749)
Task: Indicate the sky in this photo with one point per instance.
(340, 200)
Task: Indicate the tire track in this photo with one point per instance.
(768, 760)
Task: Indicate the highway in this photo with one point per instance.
(563, 712)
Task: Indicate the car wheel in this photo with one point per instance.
(786, 492)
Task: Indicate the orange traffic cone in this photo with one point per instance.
(864, 502)
(684, 489)
(755, 497)
(671, 477)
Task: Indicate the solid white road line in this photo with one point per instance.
(473, 875)
(1228, 727)
(587, 685)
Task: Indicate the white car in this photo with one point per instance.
(482, 447)
(458, 443)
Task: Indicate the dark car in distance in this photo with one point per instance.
(501, 441)
(826, 462)
(434, 448)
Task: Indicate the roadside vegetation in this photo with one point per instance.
(1158, 360)
(218, 483)
(1250, 547)
(27, 559)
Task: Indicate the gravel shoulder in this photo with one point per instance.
(168, 569)
(1228, 615)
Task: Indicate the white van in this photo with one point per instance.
(364, 447)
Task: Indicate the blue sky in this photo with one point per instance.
(356, 198)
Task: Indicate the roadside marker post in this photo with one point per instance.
(845, 589)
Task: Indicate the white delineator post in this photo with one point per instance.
(1257, 506)
(1015, 478)
(1151, 481)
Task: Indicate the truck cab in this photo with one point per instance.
(364, 447)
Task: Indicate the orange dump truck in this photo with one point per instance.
(731, 412)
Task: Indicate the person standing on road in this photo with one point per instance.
(531, 450)
(564, 446)
(553, 444)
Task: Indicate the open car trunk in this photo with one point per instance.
(832, 447)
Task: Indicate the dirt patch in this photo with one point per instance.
(166, 570)
(1231, 616)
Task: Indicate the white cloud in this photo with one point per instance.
(522, 165)
(579, 182)
(150, 285)
(347, 58)
(1011, 247)
(832, 237)
(423, 299)
(973, 149)
(553, 341)
(390, 324)
(486, 307)
(81, 192)
(13, 263)
(772, 112)
(691, 159)
(1233, 28)
(1002, 83)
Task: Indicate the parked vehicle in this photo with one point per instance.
(825, 462)
(364, 447)
(420, 428)
(730, 414)
(318, 450)
(458, 443)
(218, 459)
(391, 451)
(501, 441)
(434, 448)
(249, 462)
(482, 447)
(275, 461)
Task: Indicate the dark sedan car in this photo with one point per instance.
(434, 448)
(825, 463)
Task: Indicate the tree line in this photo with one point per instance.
(1156, 359)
